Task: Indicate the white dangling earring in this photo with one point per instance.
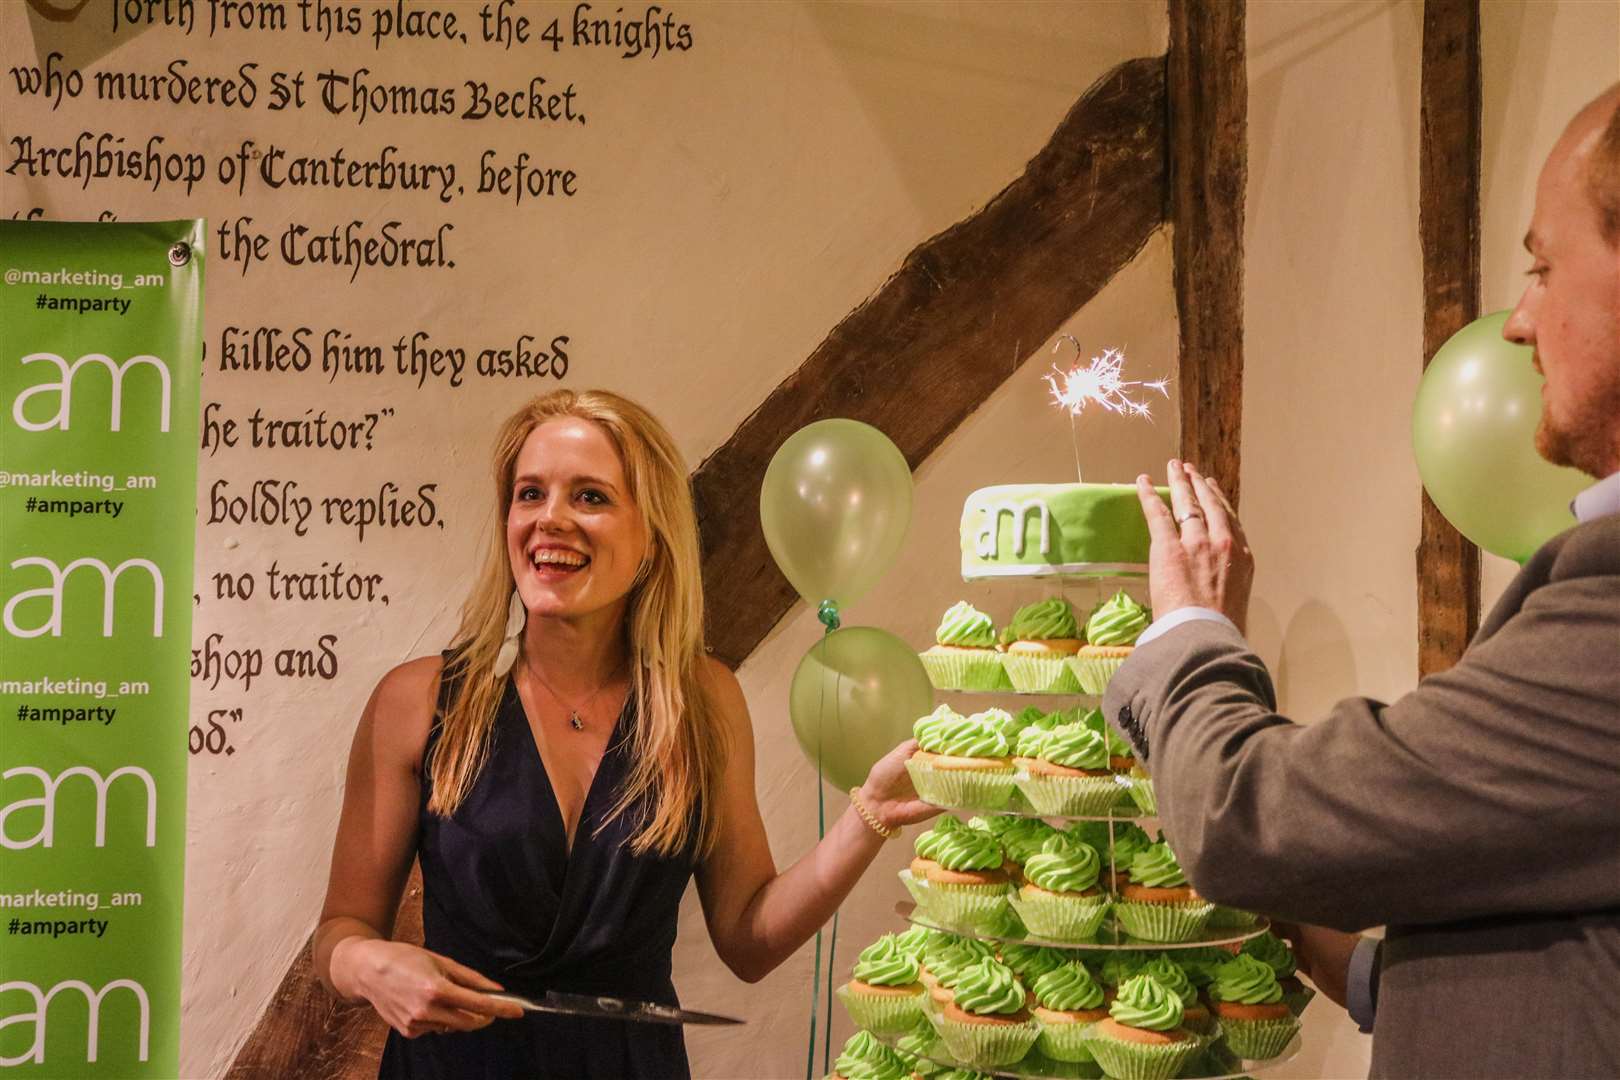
(516, 616)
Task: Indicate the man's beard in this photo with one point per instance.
(1587, 443)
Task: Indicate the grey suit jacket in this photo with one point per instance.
(1478, 817)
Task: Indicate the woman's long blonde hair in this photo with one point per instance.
(678, 745)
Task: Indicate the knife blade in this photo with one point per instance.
(611, 1008)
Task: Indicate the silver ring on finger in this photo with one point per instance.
(1182, 519)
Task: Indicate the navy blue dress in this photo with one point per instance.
(503, 894)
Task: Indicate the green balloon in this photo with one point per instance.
(854, 698)
(1473, 433)
(835, 505)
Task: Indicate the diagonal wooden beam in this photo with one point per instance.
(918, 357)
(912, 360)
(1448, 227)
(1208, 92)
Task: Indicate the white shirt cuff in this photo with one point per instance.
(1358, 992)
(1178, 617)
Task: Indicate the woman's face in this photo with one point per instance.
(574, 537)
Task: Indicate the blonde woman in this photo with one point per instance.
(562, 772)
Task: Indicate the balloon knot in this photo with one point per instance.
(828, 614)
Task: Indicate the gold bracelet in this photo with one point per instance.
(888, 832)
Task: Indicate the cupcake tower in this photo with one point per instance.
(1053, 936)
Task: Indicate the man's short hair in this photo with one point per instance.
(1603, 179)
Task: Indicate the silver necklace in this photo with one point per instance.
(574, 719)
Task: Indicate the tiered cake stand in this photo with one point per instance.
(1215, 1061)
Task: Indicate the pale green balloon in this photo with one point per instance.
(854, 698)
(1473, 433)
(835, 506)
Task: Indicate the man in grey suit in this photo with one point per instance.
(1478, 817)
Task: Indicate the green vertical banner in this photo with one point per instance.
(100, 359)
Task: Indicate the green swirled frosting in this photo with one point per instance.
(1156, 866)
(999, 720)
(1030, 741)
(1172, 978)
(885, 963)
(969, 739)
(966, 626)
(1043, 621)
(1068, 988)
(1117, 746)
(918, 940)
(967, 849)
(928, 842)
(1144, 1002)
(1129, 841)
(1119, 620)
(1026, 838)
(1063, 866)
(864, 1058)
(948, 966)
(1247, 980)
(1270, 948)
(989, 986)
(921, 1039)
(1032, 716)
(930, 730)
(1121, 965)
(1075, 746)
(1030, 961)
(995, 825)
(1200, 964)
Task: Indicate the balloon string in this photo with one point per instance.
(821, 831)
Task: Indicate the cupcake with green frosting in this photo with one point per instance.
(1200, 964)
(1128, 839)
(1255, 1021)
(1067, 1001)
(1041, 638)
(1024, 840)
(964, 655)
(1068, 774)
(920, 940)
(1142, 1038)
(945, 966)
(1111, 634)
(865, 1058)
(961, 763)
(1121, 759)
(1030, 962)
(987, 1023)
(1196, 1016)
(1059, 899)
(963, 885)
(1121, 965)
(1156, 903)
(917, 1046)
(885, 995)
(927, 843)
(1280, 958)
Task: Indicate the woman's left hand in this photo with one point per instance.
(888, 792)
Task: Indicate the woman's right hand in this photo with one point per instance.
(415, 991)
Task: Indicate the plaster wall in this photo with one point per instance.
(735, 201)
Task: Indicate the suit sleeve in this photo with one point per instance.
(1492, 789)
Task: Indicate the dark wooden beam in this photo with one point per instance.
(1208, 88)
(944, 332)
(915, 360)
(1448, 225)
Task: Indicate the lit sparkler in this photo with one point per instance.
(1100, 382)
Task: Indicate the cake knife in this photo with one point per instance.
(612, 1008)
